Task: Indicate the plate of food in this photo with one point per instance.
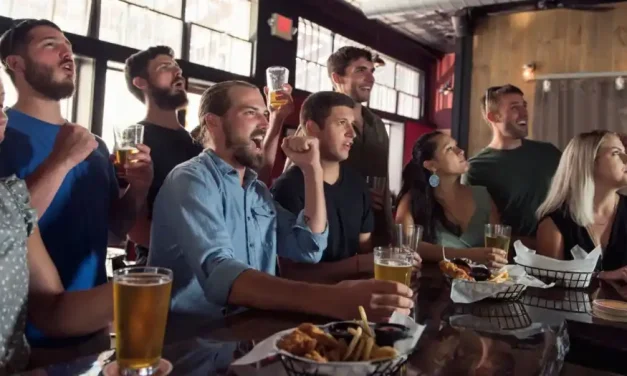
(345, 348)
(472, 282)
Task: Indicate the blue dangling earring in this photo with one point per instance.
(434, 180)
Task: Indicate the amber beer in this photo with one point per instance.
(393, 264)
(498, 236)
(276, 102)
(141, 297)
(123, 155)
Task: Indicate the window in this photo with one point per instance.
(396, 131)
(169, 7)
(10, 96)
(71, 15)
(140, 27)
(220, 34)
(221, 51)
(194, 92)
(397, 88)
(120, 106)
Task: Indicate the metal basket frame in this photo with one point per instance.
(513, 293)
(573, 301)
(296, 367)
(577, 279)
(507, 315)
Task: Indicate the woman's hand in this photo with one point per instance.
(618, 275)
(491, 257)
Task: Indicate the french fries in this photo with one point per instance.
(311, 342)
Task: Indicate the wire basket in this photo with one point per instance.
(572, 301)
(513, 293)
(506, 316)
(295, 366)
(569, 280)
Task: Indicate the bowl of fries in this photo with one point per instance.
(313, 350)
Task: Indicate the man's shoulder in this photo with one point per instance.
(292, 179)
(541, 146)
(352, 177)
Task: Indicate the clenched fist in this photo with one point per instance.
(73, 144)
(304, 151)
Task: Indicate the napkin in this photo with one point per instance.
(556, 269)
(267, 348)
(469, 292)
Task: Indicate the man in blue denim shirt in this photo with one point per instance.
(219, 230)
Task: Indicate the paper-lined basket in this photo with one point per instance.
(575, 273)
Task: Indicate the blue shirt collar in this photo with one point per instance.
(250, 176)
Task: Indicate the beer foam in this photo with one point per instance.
(394, 263)
(147, 279)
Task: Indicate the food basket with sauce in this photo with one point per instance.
(345, 348)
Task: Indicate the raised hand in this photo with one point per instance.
(304, 151)
(73, 144)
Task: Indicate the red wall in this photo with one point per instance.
(443, 104)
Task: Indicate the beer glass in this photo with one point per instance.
(378, 183)
(276, 77)
(126, 140)
(498, 236)
(407, 237)
(393, 264)
(141, 299)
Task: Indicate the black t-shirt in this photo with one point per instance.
(168, 148)
(349, 210)
(614, 254)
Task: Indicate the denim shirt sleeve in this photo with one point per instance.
(188, 214)
(295, 240)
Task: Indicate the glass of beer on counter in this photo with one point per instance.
(276, 77)
(498, 236)
(141, 300)
(393, 264)
(126, 140)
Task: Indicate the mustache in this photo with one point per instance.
(258, 132)
(65, 61)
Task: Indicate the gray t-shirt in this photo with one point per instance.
(473, 236)
(17, 221)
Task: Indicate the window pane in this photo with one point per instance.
(383, 98)
(121, 107)
(301, 74)
(71, 15)
(191, 116)
(138, 27)
(325, 81)
(385, 75)
(231, 17)
(326, 45)
(10, 97)
(220, 51)
(407, 80)
(409, 106)
(313, 78)
(171, 7)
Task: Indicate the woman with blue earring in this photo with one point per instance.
(453, 215)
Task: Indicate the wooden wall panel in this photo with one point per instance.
(558, 41)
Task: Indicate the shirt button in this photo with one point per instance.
(250, 245)
(248, 217)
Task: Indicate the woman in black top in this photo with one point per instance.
(583, 206)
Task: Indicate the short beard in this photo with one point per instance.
(241, 150)
(40, 78)
(514, 131)
(166, 100)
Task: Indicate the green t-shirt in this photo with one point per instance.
(518, 181)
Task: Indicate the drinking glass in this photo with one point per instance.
(393, 264)
(126, 140)
(378, 183)
(141, 299)
(276, 77)
(407, 237)
(498, 236)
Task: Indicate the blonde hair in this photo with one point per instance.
(573, 183)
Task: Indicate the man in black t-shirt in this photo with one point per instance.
(329, 116)
(154, 77)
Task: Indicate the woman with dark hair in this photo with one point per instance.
(453, 215)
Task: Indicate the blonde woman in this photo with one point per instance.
(583, 206)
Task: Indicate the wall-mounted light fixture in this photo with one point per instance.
(529, 71)
(446, 89)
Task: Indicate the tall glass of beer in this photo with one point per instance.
(141, 299)
(498, 236)
(393, 264)
(126, 140)
(276, 77)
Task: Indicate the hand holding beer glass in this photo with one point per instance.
(396, 263)
(276, 78)
(141, 300)
(126, 141)
(498, 236)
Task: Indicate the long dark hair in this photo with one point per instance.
(425, 208)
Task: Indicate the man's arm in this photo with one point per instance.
(273, 134)
(57, 312)
(354, 267)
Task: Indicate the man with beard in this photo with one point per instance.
(68, 170)
(219, 230)
(517, 172)
(155, 79)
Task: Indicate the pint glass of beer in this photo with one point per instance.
(126, 140)
(276, 77)
(141, 299)
(393, 264)
(498, 236)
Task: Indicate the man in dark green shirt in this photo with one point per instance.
(517, 172)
